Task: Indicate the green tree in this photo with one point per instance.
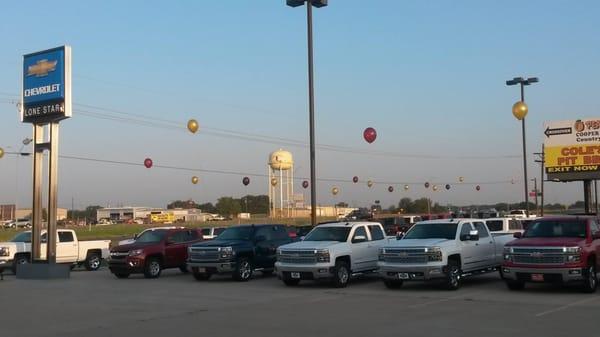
(406, 205)
(207, 208)
(228, 206)
(185, 204)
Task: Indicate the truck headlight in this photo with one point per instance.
(136, 252)
(226, 252)
(322, 255)
(434, 254)
(4, 251)
(507, 254)
(573, 254)
(573, 258)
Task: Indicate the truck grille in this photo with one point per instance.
(405, 255)
(539, 255)
(298, 256)
(205, 254)
(118, 255)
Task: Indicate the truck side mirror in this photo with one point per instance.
(359, 238)
(518, 235)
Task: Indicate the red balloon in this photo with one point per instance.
(355, 179)
(246, 181)
(370, 135)
(305, 184)
(478, 187)
(391, 189)
(148, 162)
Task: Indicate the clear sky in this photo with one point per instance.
(428, 75)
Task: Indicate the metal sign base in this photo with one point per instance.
(43, 271)
(44, 268)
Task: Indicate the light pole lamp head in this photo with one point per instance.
(520, 110)
(316, 3)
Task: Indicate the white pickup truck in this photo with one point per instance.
(334, 251)
(68, 250)
(447, 250)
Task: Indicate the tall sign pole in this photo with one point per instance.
(46, 100)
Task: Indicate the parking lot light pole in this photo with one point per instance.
(520, 110)
(311, 100)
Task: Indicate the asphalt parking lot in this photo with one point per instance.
(97, 304)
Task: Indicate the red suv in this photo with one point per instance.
(152, 251)
(555, 249)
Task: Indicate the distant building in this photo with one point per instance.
(7, 212)
(25, 213)
(121, 214)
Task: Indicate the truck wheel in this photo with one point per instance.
(590, 282)
(19, 259)
(93, 262)
(122, 275)
(453, 277)
(341, 274)
(392, 284)
(515, 285)
(243, 270)
(152, 268)
(200, 276)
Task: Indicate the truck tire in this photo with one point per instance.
(93, 262)
(393, 284)
(153, 268)
(341, 274)
(200, 276)
(590, 282)
(515, 285)
(19, 259)
(122, 275)
(453, 277)
(243, 270)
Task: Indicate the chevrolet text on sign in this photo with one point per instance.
(46, 92)
(572, 149)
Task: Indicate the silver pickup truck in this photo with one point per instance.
(446, 250)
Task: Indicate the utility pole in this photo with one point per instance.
(542, 162)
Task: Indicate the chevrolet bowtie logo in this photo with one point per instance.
(41, 68)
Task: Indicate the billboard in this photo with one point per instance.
(46, 95)
(572, 149)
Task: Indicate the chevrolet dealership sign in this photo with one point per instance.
(46, 92)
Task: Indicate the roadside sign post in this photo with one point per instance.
(46, 100)
(572, 153)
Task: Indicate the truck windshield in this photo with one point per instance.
(237, 233)
(22, 237)
(339, 234)
(432, 231)
(151, 236)
(554, 229)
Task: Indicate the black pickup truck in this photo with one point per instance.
(238, 251)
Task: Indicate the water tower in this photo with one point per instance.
(281, 184)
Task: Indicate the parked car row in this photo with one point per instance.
(552, 250)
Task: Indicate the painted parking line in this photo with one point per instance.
(442, 300)
(567, 306)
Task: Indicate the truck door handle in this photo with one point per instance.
(476, 244)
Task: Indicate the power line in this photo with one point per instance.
(237, 173)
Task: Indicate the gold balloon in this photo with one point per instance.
(192, 125)
(461, 179)
(435, 187)
(1, 152)
(194, 180)
(335, 191)
(406, 187)
(370, 183)
(519, 110)
(274, 181)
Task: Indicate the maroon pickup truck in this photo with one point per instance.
(153, 251)
(561, 249)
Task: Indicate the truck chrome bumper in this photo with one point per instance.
(220, 267)
(306, 272)
(410, 272)
(549, 274)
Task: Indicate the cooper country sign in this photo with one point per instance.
(46, 92)
(572, 149)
